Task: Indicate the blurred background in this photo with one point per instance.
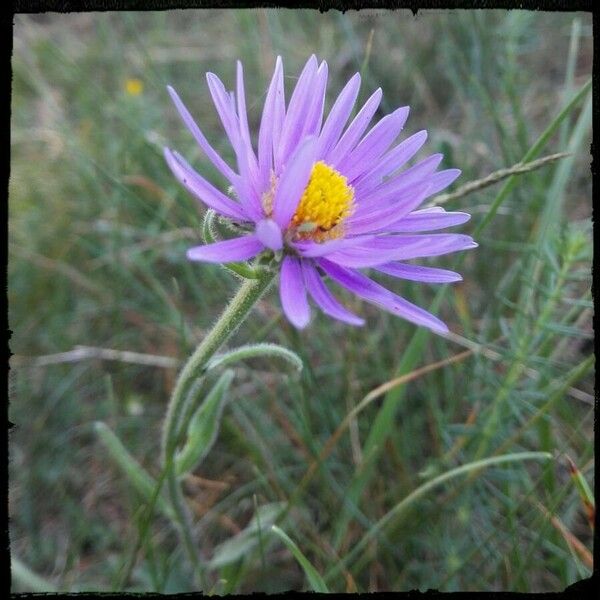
(98, 229)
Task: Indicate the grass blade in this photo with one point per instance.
(537, 147)
(27, 580)
(316, 581)
(403, 506)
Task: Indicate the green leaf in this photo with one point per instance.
(314, 578)
(26, 580)
(203, 427)
(139, 477)
(239, 545)
(253, 350)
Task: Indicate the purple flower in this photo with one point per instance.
(324, 198)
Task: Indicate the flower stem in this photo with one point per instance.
(183, 522)
(234, 314)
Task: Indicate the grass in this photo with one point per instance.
(366, 471)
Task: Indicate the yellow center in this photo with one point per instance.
(327, 200)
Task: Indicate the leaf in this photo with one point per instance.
(567, 330)
(28, 581)
(203, 427)
(253, 350)
(239, 545)
(139, 477)
(314, 578)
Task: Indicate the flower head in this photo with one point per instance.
(134, 86)
(323, 197)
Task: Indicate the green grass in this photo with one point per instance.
(399, 498)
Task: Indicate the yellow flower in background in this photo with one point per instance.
(134, 87)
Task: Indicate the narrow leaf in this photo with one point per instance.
(139, 477)
(204, 426)
(316, 581)
(28, 581)
(241, 544)
(254, 350)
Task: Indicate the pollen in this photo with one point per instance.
(326, 201)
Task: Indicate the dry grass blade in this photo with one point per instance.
(530, 372)
(80, 353)
(585, 493)
(584, 554)
(370, 397)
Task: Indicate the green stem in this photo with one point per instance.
(234, 314)
(183, 522)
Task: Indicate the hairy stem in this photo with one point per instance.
(234, 314)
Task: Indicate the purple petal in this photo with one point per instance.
(246, 187)
(265, 135)
(314, 249)
(202, 189)
(338, 116)
(225, 109)
(428, 221)
(416, 174)
(269, 233)
(393, 160)
(226, 251)
(278, 113)
(293, 293)
(296, 114)
(442, 179)
(314, 117)
(429, 209)
(373, 292)
(419, 273)
(374, 144)
(246, 155)
(293, 181)
(388, 248)
(373, 216)
(355, 130)
(210, 152)
(241, 102)
(325, 299)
